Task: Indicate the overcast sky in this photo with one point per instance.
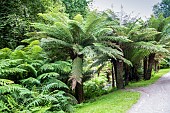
(142, 8)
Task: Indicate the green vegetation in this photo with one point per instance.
(58, 53)
(154, 78)
(116, 102)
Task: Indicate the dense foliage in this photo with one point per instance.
(162, 8)
(58, 53)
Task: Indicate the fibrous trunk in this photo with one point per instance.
(113, 77)
(79, 94)
(118, 67)
(145, 66)
(127, 74)
(150, 64)
(76, 77)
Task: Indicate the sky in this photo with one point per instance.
(139, 8)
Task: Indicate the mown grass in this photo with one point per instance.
(118, 101)
(153, 79)
(115, 102)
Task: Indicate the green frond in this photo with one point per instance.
(10, 63)
(78, 18)
(152, 48)
(5, 53)
(108, 51)
(41, 99)
(3, 106)
(103, 32)
(18, 54)
(58, 31)
(30, 81)
(20, 47)
(121, 39)
(11, 71)
(54, 42)
(139, 55)
(40, 109)
(59, 66)
(10, 88)
(93, 22)
(64, 30)
(29, 68)
(77, 31)
(48, 75)
(88, 51)
(56, 84)
(5, 82)
(64, 66)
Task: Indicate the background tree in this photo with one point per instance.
(162, 8)
(15, 19)
(74, 7)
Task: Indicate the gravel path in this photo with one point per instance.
(154, 98)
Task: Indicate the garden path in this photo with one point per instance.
(154, 98)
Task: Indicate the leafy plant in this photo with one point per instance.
(95, 87)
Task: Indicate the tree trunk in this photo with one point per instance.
(156, 65)
(150, 64)
(127, 73)
(79, 94)
(118, 67)
(113, 77)
(145, 66)
(76, 77)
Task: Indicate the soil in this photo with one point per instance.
(154, 98)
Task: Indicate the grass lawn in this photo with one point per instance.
(116, 102)
(153, 79)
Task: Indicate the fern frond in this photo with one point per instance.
(5, 82)
(10, 63)
(121, 39)
(40, 109)
(54, 42)
(11, 71)
(59, 66)
(10, 88)
(151, 47)
(30, 81)
(48, 75)
(29, 68)
(56, 85)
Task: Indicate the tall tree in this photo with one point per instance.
(162, 8)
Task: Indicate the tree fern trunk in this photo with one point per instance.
(145, 66)
(156, 65)
(150, 64)
(118, 67)
(127, 74)
(113, 77)
(135, 74)
(79, 93)
(76, 77)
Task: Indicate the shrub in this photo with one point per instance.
(95, 87)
